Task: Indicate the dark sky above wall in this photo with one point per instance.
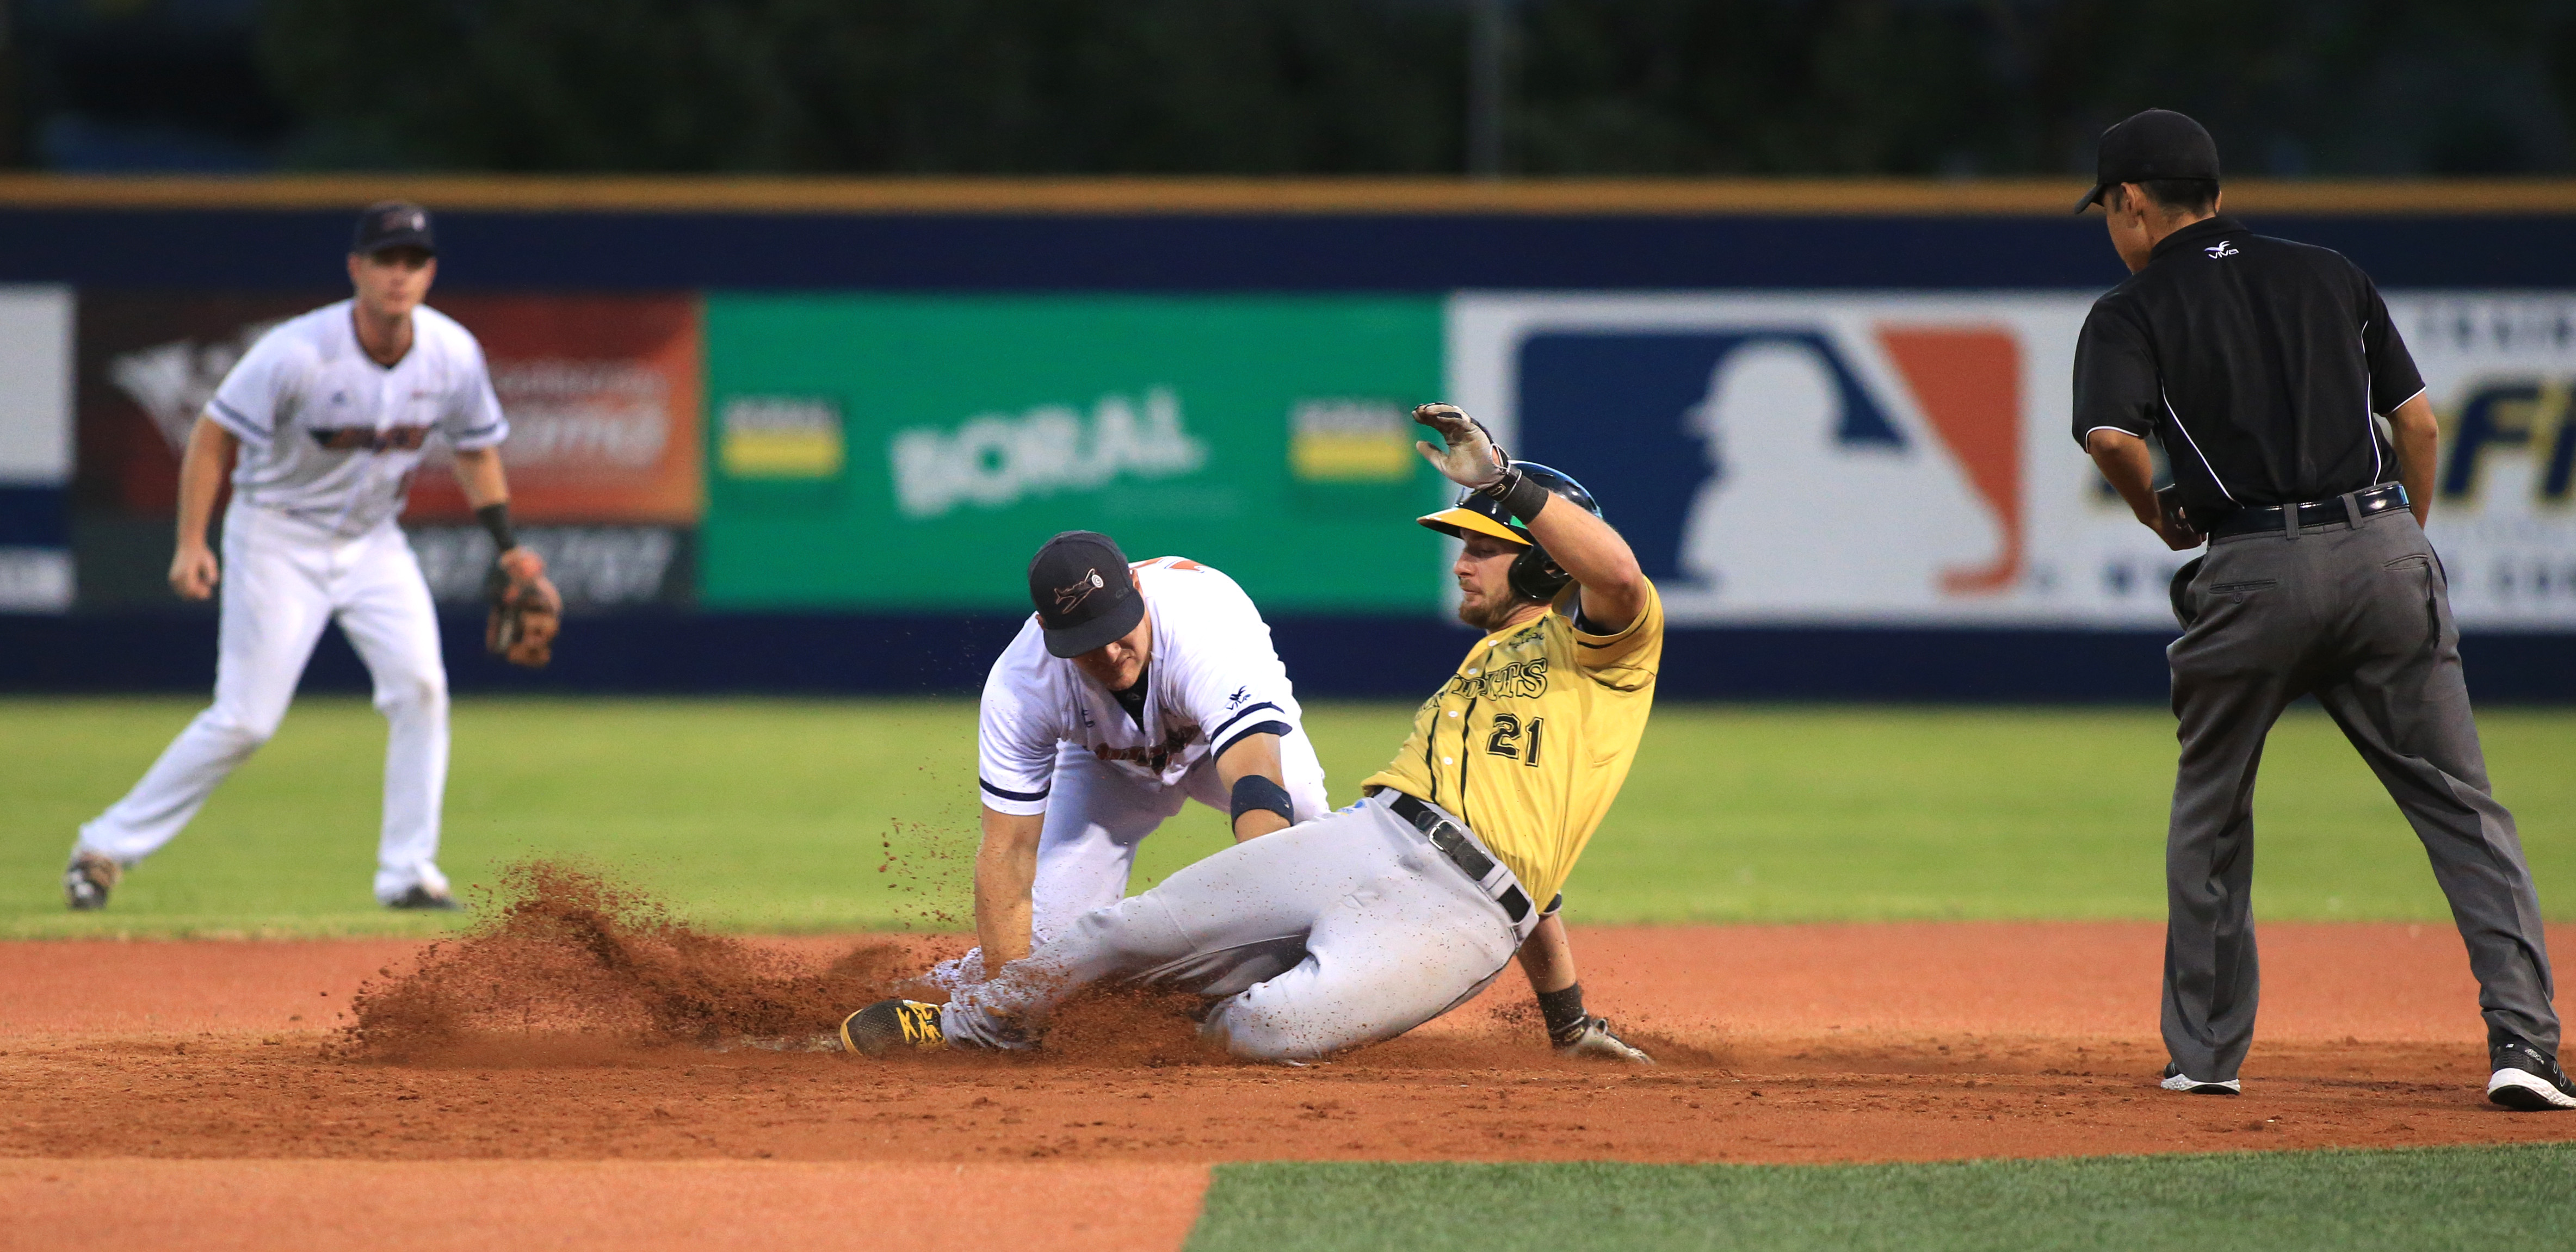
(1922, 87)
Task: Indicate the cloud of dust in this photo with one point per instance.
(571, 961)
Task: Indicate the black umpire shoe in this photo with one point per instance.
(2528, 1080)
(420, 897)
(2176, 1080)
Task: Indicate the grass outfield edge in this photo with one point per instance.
(2467, 1197)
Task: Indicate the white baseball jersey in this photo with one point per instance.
(332, 437)
(1211, 679)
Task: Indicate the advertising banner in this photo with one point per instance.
(883, 452)
(1907, 458)
(2501, 368)
(602, 392)
(36, 574)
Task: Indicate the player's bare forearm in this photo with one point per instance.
(1548, 957)
(478, 471)
(2419, 444)
(1614, 588)
(201, 477)
(2130, 468)
(193, 570)
(1247, 757)
(1006, 867)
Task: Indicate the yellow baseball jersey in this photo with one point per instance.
(1531, 739)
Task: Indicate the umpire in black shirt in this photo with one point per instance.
(2264, 367)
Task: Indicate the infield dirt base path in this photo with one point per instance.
(166, 1069)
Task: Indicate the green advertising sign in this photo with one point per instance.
(906, 451)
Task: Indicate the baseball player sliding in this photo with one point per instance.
(1358, 926)
(328, 414)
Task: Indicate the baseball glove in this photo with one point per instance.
(527, 611)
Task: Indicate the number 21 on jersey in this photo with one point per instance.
(1507, 736)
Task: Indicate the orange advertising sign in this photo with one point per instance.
(603, 395)
(602, 392)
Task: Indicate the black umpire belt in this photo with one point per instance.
(2272, 518)
(1471, 860)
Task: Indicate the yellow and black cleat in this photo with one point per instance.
(888, 1025)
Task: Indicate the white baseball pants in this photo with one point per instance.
(1097, 814)
(283, 578)
(1344, 931)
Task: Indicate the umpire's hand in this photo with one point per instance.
(2171, 524)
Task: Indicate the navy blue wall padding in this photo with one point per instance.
(1387, 658)
(244, 250)
(34, 517)
(255, 250)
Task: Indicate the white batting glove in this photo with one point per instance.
(1471, 460)
(1597, 1043)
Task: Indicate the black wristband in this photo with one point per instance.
(1564, 1013)
(1253, 792)
(1519, 496)
(496, 520)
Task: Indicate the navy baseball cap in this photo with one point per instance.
(2158, 143)
(392, 224)
(1082, 591)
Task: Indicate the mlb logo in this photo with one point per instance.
(1779, 457)
(1774, 468)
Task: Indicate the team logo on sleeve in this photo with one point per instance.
(1067, 598)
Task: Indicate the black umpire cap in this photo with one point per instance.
(2158, 143)
(1083, 594)
(392, 224)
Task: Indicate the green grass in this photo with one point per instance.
(776, 815)
(2424, 1200)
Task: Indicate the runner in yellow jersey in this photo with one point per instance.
(1363, 924)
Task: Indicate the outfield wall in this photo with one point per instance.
(801, 436)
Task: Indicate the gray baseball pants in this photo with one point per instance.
(1343, 931)
(2358, 615)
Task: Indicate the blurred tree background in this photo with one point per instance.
(1920, 87)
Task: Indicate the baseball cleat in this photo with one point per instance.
(887, 1025)
(420, 897)
(1598, 1043)
(87, 879)
(2176, 1080)
(2524, 1079)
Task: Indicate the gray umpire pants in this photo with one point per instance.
(2358, 615)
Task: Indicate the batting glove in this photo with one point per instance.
(1471, 460)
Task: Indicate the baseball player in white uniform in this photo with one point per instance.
(1131, 690)
(328, 413)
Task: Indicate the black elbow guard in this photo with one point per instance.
(1252, 791)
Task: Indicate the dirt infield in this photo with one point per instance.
(1916, 1041)
(476, 1206)
(592, 1083)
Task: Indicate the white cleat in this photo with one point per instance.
(2176, 1080)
